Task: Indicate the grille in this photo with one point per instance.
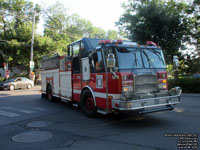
(147, 83)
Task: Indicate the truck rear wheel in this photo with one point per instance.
(87, 104)
(43, 95)
(49, 93)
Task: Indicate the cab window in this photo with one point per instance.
(96, 64)
(76, 49)
(76, 59)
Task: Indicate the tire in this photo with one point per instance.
(87, 104)
(43, 96)
(12, 87)
(49, 93)
(29, 86)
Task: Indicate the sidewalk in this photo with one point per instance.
(190, 94)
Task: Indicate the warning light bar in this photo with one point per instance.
(150, 43)
(110, 42)
(104, 41)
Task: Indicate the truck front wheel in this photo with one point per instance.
(87, 104)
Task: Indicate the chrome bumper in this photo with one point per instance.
(143, 104)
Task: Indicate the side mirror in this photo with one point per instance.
(111, 61)
(175, 62)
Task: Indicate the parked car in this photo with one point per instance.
(17, 83)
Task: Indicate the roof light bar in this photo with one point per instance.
(110, 42)
(150, 43)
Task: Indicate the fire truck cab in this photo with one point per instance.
(105, 76)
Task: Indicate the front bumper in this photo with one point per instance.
(148, 104)
(2, 87)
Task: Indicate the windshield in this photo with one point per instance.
(139, 58)
(11, 80)
(129, 58)
(153, 58)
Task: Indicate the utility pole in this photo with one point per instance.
(32, 45)
(33, 33)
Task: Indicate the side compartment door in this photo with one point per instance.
(44, 84)
(65, 78)
(76, 72)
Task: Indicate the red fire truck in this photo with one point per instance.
(105, 76)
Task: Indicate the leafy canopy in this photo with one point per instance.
(161, 21)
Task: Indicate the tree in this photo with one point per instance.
(112, 34)
(190, 65)
(74, 27)
(84, 28)
(164, 22)
(15, 30)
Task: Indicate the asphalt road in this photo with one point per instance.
(28, 122)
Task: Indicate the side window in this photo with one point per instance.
(82, 46)
(76, 65)
(75, 59)
(70, 50)
(62, 64)
(76, 49)
(18, 79)
(97, 64)
(83, 51)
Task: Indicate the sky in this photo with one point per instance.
(102, 13)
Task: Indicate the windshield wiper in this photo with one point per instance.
(135, 57)
(149, 61)
(157, 54)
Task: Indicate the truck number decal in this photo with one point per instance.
(99, 81)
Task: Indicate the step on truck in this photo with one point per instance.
(106, 76)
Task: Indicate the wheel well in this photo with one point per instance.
(12, 85)
(91, 91)
(48, 87)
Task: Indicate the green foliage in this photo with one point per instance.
(112, 34)
(164, 22)
(188, 85)
(2, 79)
(60, 29)
(190, 65)
(15, 30)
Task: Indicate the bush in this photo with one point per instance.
(2, 79)
(188, 85)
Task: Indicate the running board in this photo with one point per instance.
(65, 100)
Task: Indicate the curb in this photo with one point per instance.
(190, 95)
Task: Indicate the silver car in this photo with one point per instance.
(17, 83)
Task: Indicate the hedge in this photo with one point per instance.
(2, 79)
(188, 85)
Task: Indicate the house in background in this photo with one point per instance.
(2, 73)
(16, 70)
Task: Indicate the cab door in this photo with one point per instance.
(76, 72)
(18, 83)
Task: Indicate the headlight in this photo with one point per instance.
(127, 89)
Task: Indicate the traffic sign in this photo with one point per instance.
(32, 64)
(5, 66)
(7, 73)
